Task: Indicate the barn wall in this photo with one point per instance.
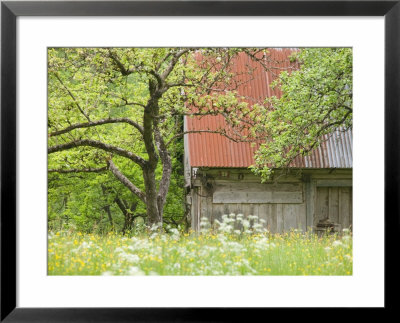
(295, 201)
(281, 205)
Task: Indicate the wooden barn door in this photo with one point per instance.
(334, 204)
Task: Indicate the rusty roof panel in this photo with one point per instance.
(215, 150)
(335, 151)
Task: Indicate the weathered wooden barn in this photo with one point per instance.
(315, 194)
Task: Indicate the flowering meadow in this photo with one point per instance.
(235, 246)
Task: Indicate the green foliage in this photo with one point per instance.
(84, 85)
(316, 99)
(87, 85)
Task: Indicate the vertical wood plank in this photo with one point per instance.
(253, 209)
(340, 217)
(218, 210)
(246, 210)
(232, 209)
(309, 189)
(198, 217)
(314, 202)
(334, 204)
(239, 208)
(203, 204)
(194, 209)
(209, 209)
(289, 217)
(226, 209)
(274, 215)
(263, 214)
(351, 207)
(301, 217)
(279, 218)
(270, 220)
(345, 208)
(322, 211)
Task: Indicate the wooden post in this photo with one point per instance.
(310, 198)
(194, 208)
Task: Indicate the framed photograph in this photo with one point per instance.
(67, 73)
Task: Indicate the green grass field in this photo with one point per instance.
(223, 252)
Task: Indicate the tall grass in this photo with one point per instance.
(236, 246)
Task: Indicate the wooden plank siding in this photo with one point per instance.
(278, 217)
(258, 193)
(334, 183)
(292, 202)
(334, 204)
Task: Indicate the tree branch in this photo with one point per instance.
(124, 180)
(98, 144)
(117, 62)
(97, 123)
(72, 97)
(219, 132)
(163, 60)
(127, 72)
(173, 62)
(158, 78)
(75, 170)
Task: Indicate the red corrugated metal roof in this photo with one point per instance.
(215, 150)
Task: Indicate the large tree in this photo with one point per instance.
(120, 111)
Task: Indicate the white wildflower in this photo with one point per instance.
(175, 233)
(85, 245)
(262, 243)
(346, 238)
(153, 273)
(155, 227)
(107, 273)
(234, 246)
(130, 258)
(337, 243)
(135, 271)
(154, 235)
(204, 222)
(258, 227)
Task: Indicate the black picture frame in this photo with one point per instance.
(10, 10)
